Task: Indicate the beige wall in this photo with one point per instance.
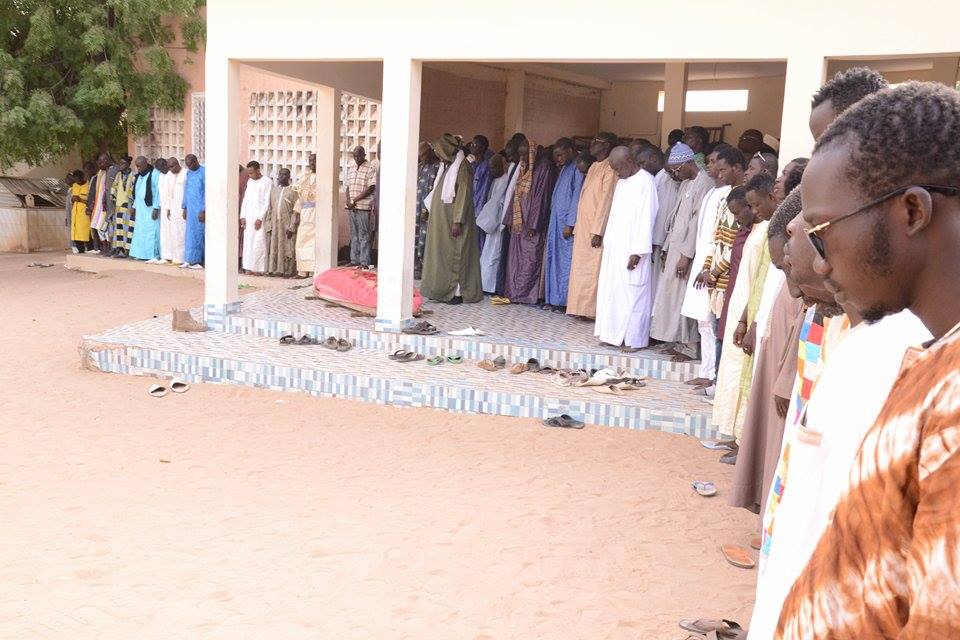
(629, 109)
(553, 109)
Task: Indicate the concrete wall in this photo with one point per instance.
(629, 109)
(461, 105)
(24, 230)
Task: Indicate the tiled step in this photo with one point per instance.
(515, 332)
(151, 348)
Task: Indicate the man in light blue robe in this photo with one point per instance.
(194, 212)
(563, 218)
(146, 203)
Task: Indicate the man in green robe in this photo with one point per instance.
(451, 262)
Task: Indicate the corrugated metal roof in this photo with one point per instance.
(51, 190)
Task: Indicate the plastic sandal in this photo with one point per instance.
(157, 391)
(330, 343)
(435, 360)
(564, 422)
(287, 340)
(179, 386)
(704, 488)
(399, 353)
(343, 345)
(454, 359)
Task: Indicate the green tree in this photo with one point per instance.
(83, 74)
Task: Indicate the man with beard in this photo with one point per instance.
(881, 199)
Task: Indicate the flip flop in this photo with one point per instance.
(344, 345)
(737, 556)
(410, 356)
(454, 359)
(421, 329)
(564, 422)
(519, 368)
(288, 340)
(704, 626)
(330, 343)
(435, 360)
(718, 445)
(396, 355)
(704, 488)
(307, 340)
(157, 391)
(533, 365)
(179, 386)
(698, 382)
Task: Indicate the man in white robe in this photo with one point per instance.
(624, 288)
(253, 211)
(173, 222)
(696, 301)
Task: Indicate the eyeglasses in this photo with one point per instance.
(817, 241)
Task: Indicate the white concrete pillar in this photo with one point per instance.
(327, 210)
(945, 70)
(674, 97)
(399, 135)
(805, 74)
(222, 156)
(513, 111)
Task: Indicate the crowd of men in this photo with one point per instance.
(142, 211)
(820, 296)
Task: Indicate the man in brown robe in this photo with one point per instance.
(595, 199)
(281, 225)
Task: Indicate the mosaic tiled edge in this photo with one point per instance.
(469, 348)
(133, 360)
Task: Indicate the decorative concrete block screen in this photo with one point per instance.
(360, 125)
(199, 128)
(165, 138)
(283, 123)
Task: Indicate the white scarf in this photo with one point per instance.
(449, 189)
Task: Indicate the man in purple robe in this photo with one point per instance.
(528, 218)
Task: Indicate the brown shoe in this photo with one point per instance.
(183, 321)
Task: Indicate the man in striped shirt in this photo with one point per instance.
(882, 198)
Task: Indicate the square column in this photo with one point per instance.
(327, 211)
(805, 74)
(399, 134)
(222, 156)
(674, 97)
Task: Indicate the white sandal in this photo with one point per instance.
(179, 386)
(157, 391)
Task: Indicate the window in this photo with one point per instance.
(712, 100)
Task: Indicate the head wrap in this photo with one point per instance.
(680, 153)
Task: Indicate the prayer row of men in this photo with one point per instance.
(826, 303)
(609, 233)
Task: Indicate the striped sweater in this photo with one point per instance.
(888, 565)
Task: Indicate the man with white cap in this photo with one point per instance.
(677, 255)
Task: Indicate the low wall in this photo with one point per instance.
(24, 230)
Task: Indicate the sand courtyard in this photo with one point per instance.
(231, 512)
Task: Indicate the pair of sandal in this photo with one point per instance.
(335, 344)
(176, 385)
(435, 360)
(402, 355)
(493, 365)
(422, 328)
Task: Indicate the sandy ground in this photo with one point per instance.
(285, 516)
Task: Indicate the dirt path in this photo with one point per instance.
(285, 516)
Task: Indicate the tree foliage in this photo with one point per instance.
(83, 74)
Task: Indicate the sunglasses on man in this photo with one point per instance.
(815, 233)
